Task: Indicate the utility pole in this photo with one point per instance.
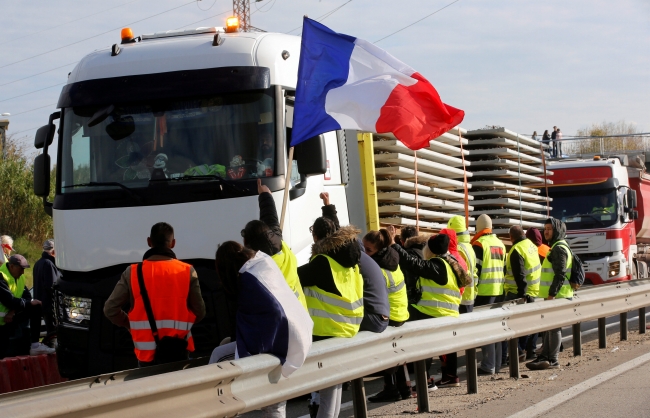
(242, 9)
(4, 125)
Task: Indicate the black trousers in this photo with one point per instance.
(31, 315)
(449, 361)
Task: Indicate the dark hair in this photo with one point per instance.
(323, 227)
(256, 237)
(408, 232)
(162, 235)
(229, 259)
(517, 232)
(380, 239)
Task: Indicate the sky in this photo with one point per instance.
(519, 64)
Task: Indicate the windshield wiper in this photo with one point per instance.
(588, 215)
(220, 179)
(129, 191)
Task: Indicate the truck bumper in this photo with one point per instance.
(595, 279)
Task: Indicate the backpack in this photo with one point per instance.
(577, 277)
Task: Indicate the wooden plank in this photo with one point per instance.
(397, 172)
(394, 145)
(409, 187)
(426, 202)
(424, 166)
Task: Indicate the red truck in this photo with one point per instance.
(603, 201)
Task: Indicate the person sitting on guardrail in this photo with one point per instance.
(377, 245)
(490, 261)
(523, 270)
(459, 224)
(268, 318)
(334, 289)
(17, 306)
(265, 235)
(441, 278)
(165, 300)
(554, 283)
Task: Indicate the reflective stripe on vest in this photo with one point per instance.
(490, 283)
(334, 315)
(438, 301)
(288, 264)
(16, 287)
(397, 297)
(467, 252)
(532, 268)
(546, 279)
(168, 286)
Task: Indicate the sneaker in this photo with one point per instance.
(539, 365)
(313, 410)
(431, 386)
(386, 395)
(41, 349)
(406, 394)
(537, 360)
(448, 382)
(522, 356)
(553, 365)
(530, 355)
(482, 372)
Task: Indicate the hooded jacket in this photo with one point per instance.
(535, 236)
(453, 247)
(387, 259)
(414, 246)
(558, 256)
(272, 244)
(432, 269)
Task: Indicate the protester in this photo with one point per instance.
(7, 246)
(546, 140)
(440, 279)
(556, 272)
(558, 140)
(17, 306)
(269, 318)
(535, 237)
(458, 224)
(265, 235)
(413, 243)
(334, 290)
(534, 137)
(171, 288)
(553, 140)
(45, 277)
(490, 261)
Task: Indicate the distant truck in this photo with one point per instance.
(603, 201)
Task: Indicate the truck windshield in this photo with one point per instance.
(231, 136)
(584, 209)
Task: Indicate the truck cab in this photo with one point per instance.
(178, 127)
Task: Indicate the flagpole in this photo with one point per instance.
(417, 206)
(462, 156)
(287, 184)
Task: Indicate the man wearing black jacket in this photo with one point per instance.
(45, 276)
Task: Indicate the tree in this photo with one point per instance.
(607, 145)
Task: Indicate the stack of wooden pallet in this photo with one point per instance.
(504, 166)
(440, 185)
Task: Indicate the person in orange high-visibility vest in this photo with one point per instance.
(174, 294)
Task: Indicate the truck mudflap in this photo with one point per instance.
(595, 279)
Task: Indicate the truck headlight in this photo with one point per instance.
(614, 268)
(75, 309)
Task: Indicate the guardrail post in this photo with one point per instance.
(359, 398)
(602, 333)
(471, 368)
(641, 320)
(422, 386)
(577, 340)
(623, 326)
(513, 350)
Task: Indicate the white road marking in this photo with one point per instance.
(572, 392)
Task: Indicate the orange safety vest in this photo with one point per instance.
(168, 285)
(543, 250)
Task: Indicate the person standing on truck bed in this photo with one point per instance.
(265, 235)
(175, 298)
(553, 140)
(17, 305)
(45, 276)
(333, 288)
(556, 272)
(490, 261)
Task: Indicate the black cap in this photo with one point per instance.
(19, 260)
(439, 244)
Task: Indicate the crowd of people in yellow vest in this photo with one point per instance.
(353, 284)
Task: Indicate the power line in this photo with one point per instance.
(31, 110)
(417, 21)
(202, 20)
(25, 130)
(35, 91)
(323, 17)
(34, 75)
(95, 36)
(13, 39)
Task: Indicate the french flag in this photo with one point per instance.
(348, 83)
(270, 318)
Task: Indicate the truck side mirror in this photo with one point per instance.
(44, 135)
(42, 175)
(631, 198)
(311, 156)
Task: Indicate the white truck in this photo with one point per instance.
(177, 127)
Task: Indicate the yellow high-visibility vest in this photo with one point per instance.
(490, 283)
(397, 297)
(16, 286)
(438, 301)
(286, 261)
(532, 268)
(546, 279)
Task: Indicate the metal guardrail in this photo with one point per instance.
(604, 146)
(231, 388)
